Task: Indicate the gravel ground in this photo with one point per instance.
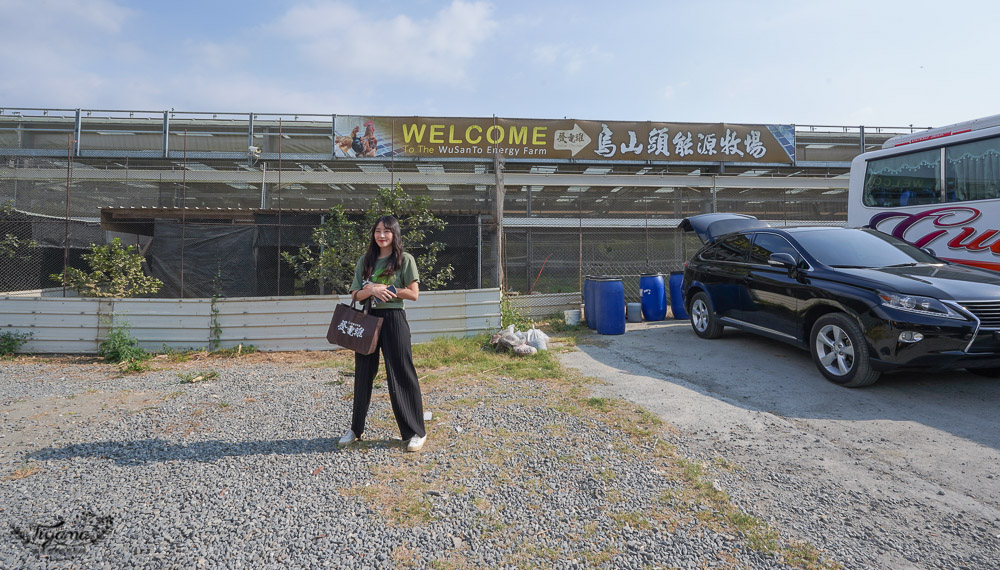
(242, 471)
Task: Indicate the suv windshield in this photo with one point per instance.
(839, 247)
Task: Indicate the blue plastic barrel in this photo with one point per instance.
(653, 296)
(609, 298)
(589, 310)
(676, 295)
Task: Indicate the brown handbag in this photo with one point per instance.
(354, 329)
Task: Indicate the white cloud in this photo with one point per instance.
(240, 93)
(60, 31)
(546, 54)
(570, 59)
(337, 37)
(669, 92)
(47, 49)
(214, 55)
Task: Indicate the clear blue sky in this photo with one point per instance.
(874, 62)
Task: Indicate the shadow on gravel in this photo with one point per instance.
(141, 452)
(765, 375)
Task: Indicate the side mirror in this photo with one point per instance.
(928, 251)
(782, 260)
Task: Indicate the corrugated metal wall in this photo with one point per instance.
(78, 325)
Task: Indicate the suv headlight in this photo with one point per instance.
(918, 304)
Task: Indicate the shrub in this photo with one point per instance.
(116, 271)
(121, 348)
(511, 315)
(11, 342)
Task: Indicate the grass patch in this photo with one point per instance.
(805, 555)
(398, 495)
(22, 472)
(759, 536)
(474, 360)
(632, 520)
(235, 351)
(195, 377)
(176, 355)
(343, 360)
(569, 335)
(600, 404)
(725, 464)
(600, 558)
(607, 475)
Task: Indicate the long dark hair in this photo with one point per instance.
(395, 258)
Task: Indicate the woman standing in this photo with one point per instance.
(388, 275)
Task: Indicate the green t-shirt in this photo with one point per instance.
(403, 276)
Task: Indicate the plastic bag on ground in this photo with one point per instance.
(509, 340)
(537, 339)
(525, 350)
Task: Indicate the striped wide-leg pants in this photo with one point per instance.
(404, 389)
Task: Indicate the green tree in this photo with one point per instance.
(341, 239)
(11, 246)
(115, 271)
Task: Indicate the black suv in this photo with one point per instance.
(861, 301)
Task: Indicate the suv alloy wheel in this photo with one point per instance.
(840, 352)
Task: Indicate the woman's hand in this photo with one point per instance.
(379, 291)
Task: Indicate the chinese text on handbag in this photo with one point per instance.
(354, 329)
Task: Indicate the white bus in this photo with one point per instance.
(938, 189)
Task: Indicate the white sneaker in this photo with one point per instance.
(416, 443)
(348, 438)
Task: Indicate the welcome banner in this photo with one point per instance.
(562, 139)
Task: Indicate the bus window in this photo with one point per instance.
(973, 170)
(903, 180)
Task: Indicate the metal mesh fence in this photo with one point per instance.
(211, 231)
(556, 260)
(208, 228)
(626, 232)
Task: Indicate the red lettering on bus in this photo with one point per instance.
(947, 217)
(971, 245)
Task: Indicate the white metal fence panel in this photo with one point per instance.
(277, 323)
(56, 325)
(76, 325)
(158, 324)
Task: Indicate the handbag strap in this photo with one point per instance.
(366, 305)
